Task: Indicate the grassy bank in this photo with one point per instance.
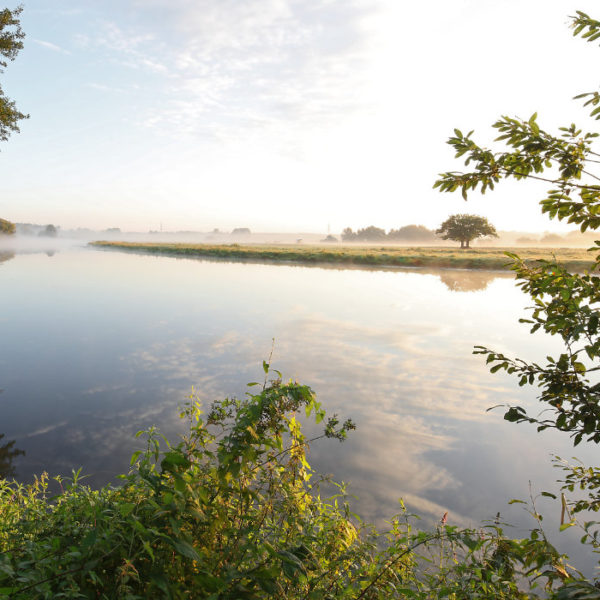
(574, 259)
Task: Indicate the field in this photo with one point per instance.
(574, 259)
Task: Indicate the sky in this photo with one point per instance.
(279, 115)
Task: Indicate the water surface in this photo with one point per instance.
(98, 344)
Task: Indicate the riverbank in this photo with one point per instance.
(574, 259)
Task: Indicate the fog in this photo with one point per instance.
(24, 244)
(69, 238)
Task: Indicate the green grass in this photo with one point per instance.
(574, 259)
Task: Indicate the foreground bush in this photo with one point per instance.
(233, 511)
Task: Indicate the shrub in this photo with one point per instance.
(233, 510)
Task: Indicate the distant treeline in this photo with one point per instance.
(554, 239)
(38, 230)
(408, 233)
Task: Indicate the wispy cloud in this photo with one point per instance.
(254, 67)
(51, 46)
(105, 88)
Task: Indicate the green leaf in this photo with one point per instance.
(174, 459)
(513, 415)
(185, 549)
(126, 508)
(134, 457)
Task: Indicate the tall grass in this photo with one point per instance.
(475, 258)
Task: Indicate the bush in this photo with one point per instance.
(6, 227)
(233, 511)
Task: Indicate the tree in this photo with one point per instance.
(49, 231)
(565, 304)
(6, 227)
(412, 233)
(348, 235)
(368, 234)
(330, 239)
(7, 454)
(465, 228)
(371, 234)
(552, 238)
(11, 37)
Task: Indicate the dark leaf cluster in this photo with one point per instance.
(11, 42)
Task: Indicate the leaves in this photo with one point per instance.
(11, 43)
(231, 512)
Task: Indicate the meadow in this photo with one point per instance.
(573, 259)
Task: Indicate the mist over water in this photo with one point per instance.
(31, 244)
(97, 345)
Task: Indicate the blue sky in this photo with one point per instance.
(279, 115)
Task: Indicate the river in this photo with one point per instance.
(96, 345)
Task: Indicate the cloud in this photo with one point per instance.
(106, 88)
(44, 430)
(241, 70)
(51, 46)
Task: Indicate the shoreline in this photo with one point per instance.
(359, 256)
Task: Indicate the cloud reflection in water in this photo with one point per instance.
(101, 345)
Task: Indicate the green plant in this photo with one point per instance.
(233, 510)
(565, 304)
(6, 227)
(11, 42)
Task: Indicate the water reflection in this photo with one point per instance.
(470, 281)
(6, 256)
(118, 345)
(8, 453)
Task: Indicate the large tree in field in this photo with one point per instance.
(11, 37)
(465, 229)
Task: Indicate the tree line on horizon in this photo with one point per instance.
(459, 228)
(407, 233)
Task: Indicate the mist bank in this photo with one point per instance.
(474, 258)
(406, 236)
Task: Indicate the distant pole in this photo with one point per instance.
(328, 228)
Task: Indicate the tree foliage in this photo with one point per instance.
(6, 227)
(11, 42)
(411, 233)
(565, 304)
(233, 511)
(367, 234)
(465, 229)
(408, 233)
(49, 231)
